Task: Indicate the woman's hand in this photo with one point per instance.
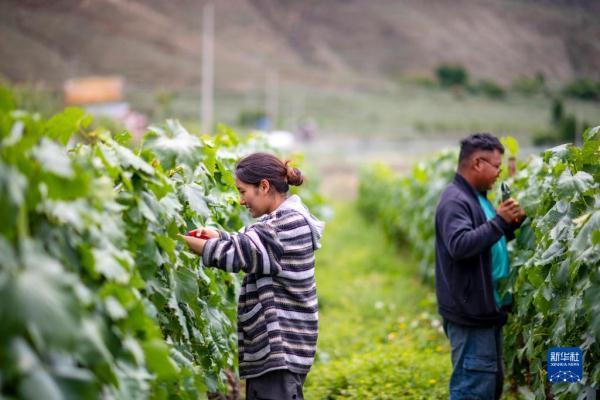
(203, 232)
(195, 244)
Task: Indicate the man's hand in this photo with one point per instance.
(510, 211)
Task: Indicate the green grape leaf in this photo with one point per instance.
(187, 285)
(39, 384)
(107, 264)
(173, 145)
(158, 360)
(53, 158)
(510, 144)
(569, 184)
(62, 126)
(583, 239)
(129, 159)
(7, 102)
(196, 199)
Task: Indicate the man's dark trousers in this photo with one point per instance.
(477, 370)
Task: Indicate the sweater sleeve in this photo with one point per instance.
(257, 250)
(460, 237)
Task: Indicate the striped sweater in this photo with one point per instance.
(277, 308)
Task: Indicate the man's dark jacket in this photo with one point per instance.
(463, 271)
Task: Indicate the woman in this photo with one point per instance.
(277, 310)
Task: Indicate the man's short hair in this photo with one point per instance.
(478, 141)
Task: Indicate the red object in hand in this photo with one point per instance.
(198, 233)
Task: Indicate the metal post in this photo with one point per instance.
(207, 67)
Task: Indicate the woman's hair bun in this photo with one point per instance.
(294, 175)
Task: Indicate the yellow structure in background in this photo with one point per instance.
(93, 89)
(103, 96)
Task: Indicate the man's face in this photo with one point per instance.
(487, 165)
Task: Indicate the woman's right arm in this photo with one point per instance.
(258, 250)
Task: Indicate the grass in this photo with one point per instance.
(380, 336)
(399, 110)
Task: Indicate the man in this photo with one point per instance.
(471, 256)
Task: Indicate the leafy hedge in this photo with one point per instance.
(98, 296)
(555, 273)
(405, 205)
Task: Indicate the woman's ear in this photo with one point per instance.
(264, 186)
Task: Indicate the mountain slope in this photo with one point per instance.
(337, 42)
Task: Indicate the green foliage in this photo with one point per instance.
(382, 343)
(401, 369)
(555, 264)
(529, 86)
(451, 75)
(557, 111)
(544, 137)
(565, 127)
(36, 98)
(511, 145)
(164, 100)
(98, 295)
(405, 206)
(555, 260)
(422, 80)
(490, 89)
(585, 89)
(249, 118)
(7, 101)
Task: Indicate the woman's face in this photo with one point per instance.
(255, 198)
